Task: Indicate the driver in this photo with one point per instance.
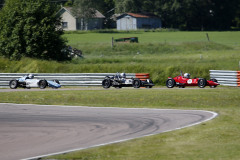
(31, 76)
(186, 75)
(123, 75)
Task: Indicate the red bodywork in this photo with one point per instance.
(181, 81)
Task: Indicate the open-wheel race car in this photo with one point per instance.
(28, 81)
(120, 80)
(185, 80)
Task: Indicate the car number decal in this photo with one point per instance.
(189, 81)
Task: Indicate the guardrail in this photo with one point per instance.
(69, 79)
(226, 77)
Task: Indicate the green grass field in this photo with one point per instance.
(227, 38)
(161, 54)
(213, 140)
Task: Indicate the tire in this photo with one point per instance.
(136, 83)
(213, 86)
(202, 83)
(13, 84)
(170, 83)
(150, 81)
(214, 80)
(148, 86)
(42, 84)
(106, 83)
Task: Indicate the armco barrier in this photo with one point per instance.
(226, 78)
(69, 79)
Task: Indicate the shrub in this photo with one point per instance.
(30, 28)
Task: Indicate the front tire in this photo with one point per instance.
(136, 83)
(42, 84)
(202, 83)
(170, 83)
(13, 84)
(148, 86)
(106, 83)
(213, 86)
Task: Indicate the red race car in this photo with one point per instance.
(185, 80)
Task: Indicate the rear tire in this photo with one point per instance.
(136, 83)
(106, 83)
(202, 83)
(42, 84)
(170, 83)
(13, 84)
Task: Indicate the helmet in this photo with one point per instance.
(186, 75)
(31, 76)
(123, 75)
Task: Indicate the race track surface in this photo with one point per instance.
(34, 131)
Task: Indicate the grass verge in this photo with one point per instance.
(216, 139)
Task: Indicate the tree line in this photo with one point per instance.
(181, 14)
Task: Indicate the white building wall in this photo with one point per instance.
(127, 23)
(71, 21)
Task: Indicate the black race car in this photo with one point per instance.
(120, 80)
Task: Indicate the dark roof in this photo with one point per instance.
(97, 15)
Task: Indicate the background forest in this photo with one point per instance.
(181, 14)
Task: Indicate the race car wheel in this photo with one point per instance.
(42, 84)
(136, 83)
(170, 83)
(214, 80)
(202, 82)
(13, 84)
(106, 83)
(213, 86)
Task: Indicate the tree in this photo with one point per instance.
(31, 28)
(84, 8)
(123, 6)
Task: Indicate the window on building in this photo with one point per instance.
(64, 25)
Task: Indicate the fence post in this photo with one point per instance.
(112, 42)
(207, 37)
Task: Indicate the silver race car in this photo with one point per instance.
(28, 81)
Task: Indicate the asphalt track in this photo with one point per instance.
(34, 131)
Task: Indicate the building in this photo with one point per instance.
(72, 23)
(134, 21)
